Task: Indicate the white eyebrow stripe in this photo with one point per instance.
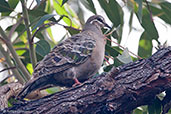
(96, 20)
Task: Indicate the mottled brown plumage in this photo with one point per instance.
(78, 57)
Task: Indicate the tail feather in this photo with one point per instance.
(23, 93)
(33, 85)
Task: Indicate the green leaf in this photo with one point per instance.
(61, 11)
(160, 13)
(155, 107)
(20, 52)
(141, 110)
(166, 6)
(4, 6)
(113, 11)
(145, 46)
(112, 51)
(11, 101)
(49, 8)
(19, 44)
(108, 68)
(30, 68)
(41, 6)
(149, 26)
(89, 5)
(50, 34)
(42, 48)
(63, 2)
(19, 28)
(130, 21)
(43, 19)
(40, 36)
(26, 58)
(12, 4)
(137, 111)
(139, 10)
(169, 111)
(125, 57)
(72, 31)
(36, 14)
(9, 104)
(53, 90)
(117, 62)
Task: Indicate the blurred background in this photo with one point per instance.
(140, 27)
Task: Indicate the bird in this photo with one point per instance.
(72, 61)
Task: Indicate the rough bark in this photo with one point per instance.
(7, 91)
(119, 91)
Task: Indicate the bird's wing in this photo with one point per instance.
(73, 51)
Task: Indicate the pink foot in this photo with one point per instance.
(76, 82)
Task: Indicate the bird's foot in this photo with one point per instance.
(76, 82)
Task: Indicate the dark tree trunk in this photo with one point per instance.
(119, 91)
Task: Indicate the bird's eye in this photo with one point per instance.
(99, 19)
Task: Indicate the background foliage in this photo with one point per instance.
(30, 37)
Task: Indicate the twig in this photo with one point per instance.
(10, 64)
(36, 6)
(31, 46)
(106, 60)
(48, 25)
(44, 25)
(21, 49)
(109, 57)
(31, 4)
(14, 27)
(123, 48)
(15, 56)
(7, 69)
(51, 24)
(114, 29)
(3, 40)
(6, 78)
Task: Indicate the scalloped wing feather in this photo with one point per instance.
(73, 51)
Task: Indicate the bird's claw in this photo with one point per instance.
(76, 82)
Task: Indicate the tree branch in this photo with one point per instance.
(31, 44)
(14, 54)
(10, 64)
(119, 91)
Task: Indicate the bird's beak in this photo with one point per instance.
(106, 25)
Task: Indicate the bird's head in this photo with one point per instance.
(98, 20)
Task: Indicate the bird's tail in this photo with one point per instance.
(33, 85)
(24, 92)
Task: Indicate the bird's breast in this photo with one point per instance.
(93, 64)
(98, 52)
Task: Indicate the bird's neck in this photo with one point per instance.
(92, 27)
